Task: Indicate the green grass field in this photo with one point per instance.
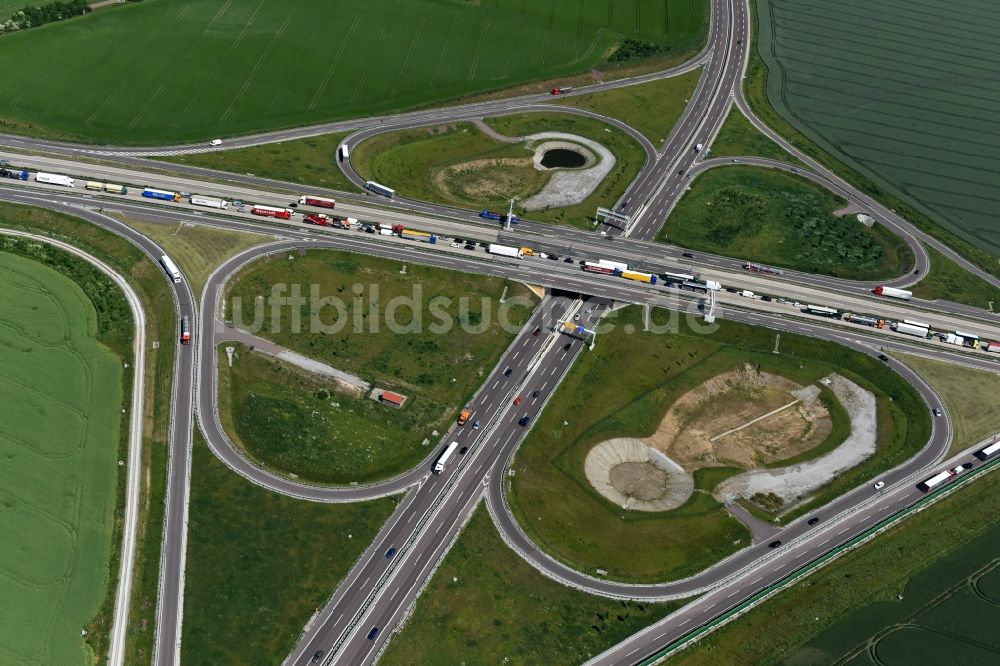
(951, 282)
(941, 561)
(259, 563)
(890, 105)
(486, 605)
(652, 108)
(148, 281)
(160, 72)
(438, 366)
(60, 395)
(737, 137)
(309, 161)
(624, 388)
(963, 391)
(198, 250)
(779, 218)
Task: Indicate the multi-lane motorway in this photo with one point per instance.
(386, 580)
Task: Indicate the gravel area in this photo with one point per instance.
(638, 477)
(796, 482)
(568, 187)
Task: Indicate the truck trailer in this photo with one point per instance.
(162, 195)
(892, 292)
(115, 188)
(505, 251)
(15, 174)
(420, 236)
(910, 329)
(489, 215)
(271, 211)
(54, 179)
(377, 188)
(209, 202)
(321, 202)
(648, 278)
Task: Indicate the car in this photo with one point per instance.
(568, 260)
(794, 170)
(470, 247)
(536, 393)
(610, 238)
(624, 204)
(766, 298)
(732, 290)
(542, 255)
(369, 230)
(506, 373)
(475, 426)
(735, 161)
(462, 451)
(576, 317)
(883, 358)
(813, 520)
(681, 172)
(965, 467)
(780, 300)
(879, 485)
(938, 412)
(916, 271)
(517, 400)
(774, 544)
(317, 656)
(524, 421)
(589, 310)
(484, 245)
(215, 142)
(553, 257)
(567, 346)
(687, 255)
(456, 244)
(536, 331)
(389, 554)
(582, 262)
(294, 204)
(373, 633)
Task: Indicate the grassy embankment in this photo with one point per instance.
(311, 161)
(67, 333)
(755, 88)
(779, 218)
(884, 589)
(198, 250)
(949, 281)
(260, 563)
(226, 80)
(624, 388)
(438, 366)
(738, 138)
(968, 395)
(487, 605)
(652, 108)
(147, 279)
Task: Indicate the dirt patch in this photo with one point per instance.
(482, 179)
(634, 476)
(640, 480)
(730, 400)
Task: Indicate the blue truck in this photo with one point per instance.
(15, 174)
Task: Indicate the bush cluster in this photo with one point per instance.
(634, 49)
(34, 16)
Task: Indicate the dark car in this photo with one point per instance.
(373, 633)
(524, 421)
(774, 544)
(535, 394)
(554, 257)
(462, 451)
(567, 346)
(459, 240)
(814, 520)
(317, 656)
(471, 247)
(568, 260)
(732, 290)
(294, 204)
(681, 172)
(390, 553)
(506, 373)
(537, 331)
(916, 271)
(687, 255)
(883, 358)
(484, 245)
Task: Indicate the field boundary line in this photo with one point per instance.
(123, 597)
(409, 51)
(479, 47)
(256, 68)
(444, 51)
(336, 60)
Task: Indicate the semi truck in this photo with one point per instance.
(592, 267)
(94, 186)
(410, 234)
(185, 331)
(648, 278)
(864, 320)
(209, 202)
(892, 292)
(445, 457)
(761, 268)
(162, 195)
(489, 215)
(910, 329)
(505, 250)
(171, 268)
(561, 91)
(620, 265)
(464, 416)
(115, 188)
(345, 152)
(54, 179)
(15, 174)
(271, 211)
(321, 202)
(377, 188)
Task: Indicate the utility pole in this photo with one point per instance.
(510, 213)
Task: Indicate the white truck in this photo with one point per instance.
(910, 329)
(209, 202)
(505, 251)
(54, 179)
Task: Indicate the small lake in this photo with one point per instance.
(562, 158)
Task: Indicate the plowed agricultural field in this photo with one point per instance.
(904, 91)
(162, 71)
(60, 393)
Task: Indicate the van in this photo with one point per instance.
(215, 142)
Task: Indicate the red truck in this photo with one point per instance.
(321, 202)
(271, 211)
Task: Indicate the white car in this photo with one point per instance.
(215, 142)
(456, 244)
(879, 485)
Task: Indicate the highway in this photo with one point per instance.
(382, 585)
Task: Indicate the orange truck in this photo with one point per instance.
(464, 416)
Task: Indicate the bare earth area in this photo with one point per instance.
(634, 476)
(569, 187)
